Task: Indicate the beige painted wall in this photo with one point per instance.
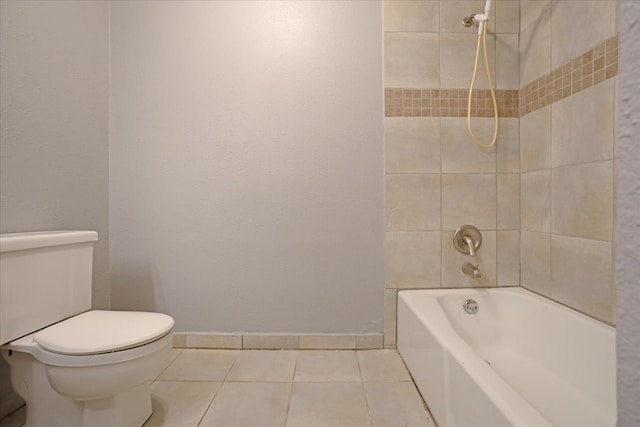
(246, 164)
(54, 125)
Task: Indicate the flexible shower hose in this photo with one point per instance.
(475, 139)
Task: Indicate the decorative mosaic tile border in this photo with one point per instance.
(592, 67)
(277, 342)
(400, 102)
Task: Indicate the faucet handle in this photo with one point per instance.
(467, 239)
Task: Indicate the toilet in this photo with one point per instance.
(74, 366)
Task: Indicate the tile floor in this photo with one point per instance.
(286, 388)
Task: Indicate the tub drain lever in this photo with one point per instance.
(470, 306)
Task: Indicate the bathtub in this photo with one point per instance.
(520, 360)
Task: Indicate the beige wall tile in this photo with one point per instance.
(590, 22)
(411, 60)
(390, 317)
(452, 12)
(320, 341)
(614, 214)
(369, 341)
(469, 199)
(614, 291)
(507, 61)
(271, 342)
(452, 261)
(412, 259)
(412, 144)
(582, 201)
(457, 56)
(249, 405)
(535, 262)
(459, 153)
(508, 201)
(616, 89)
(535, 50)
(582, 126)
(411, 16)
(412, 202)
(508, 258)
(508, 145)
(535, 201)
(396, 404)
(582, 272)
(535, 140)
(204, 340)
(507, 16)
(531, 11)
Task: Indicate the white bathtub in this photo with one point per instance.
(521, 360)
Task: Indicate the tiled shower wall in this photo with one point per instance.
(544, 198)
(436, 178)
(567, 155)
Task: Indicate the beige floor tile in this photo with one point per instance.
(249, 405)
(16, 419)
(200, 365)
(174, 355)
(264, 366)
(393, 404)
(382, 365)
(180, 403)
(327, 366)
(328, 405)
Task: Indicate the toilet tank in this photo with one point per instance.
(45, 277)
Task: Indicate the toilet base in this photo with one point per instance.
(130, 408)
(48, 408)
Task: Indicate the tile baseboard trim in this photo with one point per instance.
(278, 341)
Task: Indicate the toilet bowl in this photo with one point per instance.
(84, 389)
(75, 367)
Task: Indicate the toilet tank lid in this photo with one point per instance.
(99, 331)
(40, 239)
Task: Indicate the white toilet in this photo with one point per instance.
(72, 365)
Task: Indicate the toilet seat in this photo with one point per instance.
(100, 331)
(142, 346)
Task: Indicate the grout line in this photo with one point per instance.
(204, 413)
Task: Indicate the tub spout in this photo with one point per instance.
(472, 247)
(471, 270)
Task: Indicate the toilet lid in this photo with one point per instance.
(99, 331)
